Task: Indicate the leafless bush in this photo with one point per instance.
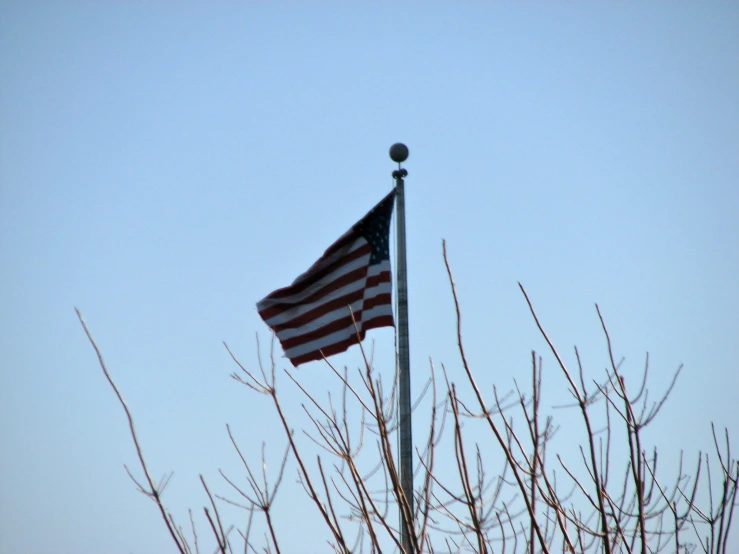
(507, 492)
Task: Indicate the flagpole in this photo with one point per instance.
(399, 153)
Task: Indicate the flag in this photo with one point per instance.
(312, 317)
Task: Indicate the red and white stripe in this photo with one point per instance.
(315, 316)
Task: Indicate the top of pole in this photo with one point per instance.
(399, 152)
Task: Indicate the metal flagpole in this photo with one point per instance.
(399, 153)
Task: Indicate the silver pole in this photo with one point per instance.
(399, 153)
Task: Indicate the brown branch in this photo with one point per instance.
(582, 402)
(493, 427)
(153, 492)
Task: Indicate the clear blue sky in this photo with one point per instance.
(164, 165)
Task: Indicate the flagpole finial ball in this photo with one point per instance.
(399, 152)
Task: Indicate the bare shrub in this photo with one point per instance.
(508, 491)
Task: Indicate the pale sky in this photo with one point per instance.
(164, 165)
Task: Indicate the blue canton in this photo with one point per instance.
(375, 229)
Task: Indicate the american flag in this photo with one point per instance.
(312, 317)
